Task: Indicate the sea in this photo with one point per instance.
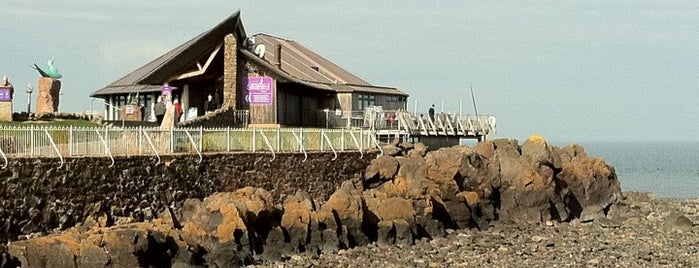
(668, 169)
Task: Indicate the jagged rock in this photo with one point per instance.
(296, 221)
(218, 224)
(381, 169)
(419, 150)
(591, 186)
(346, 206)
(391, 150)
(382, 212)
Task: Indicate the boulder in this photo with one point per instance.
(381, 169)
(588, 185)
(346, 207)
(296, 221)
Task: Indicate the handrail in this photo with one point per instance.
(356, 142)
(3, 157)
(55, 148)
(150, 142)
(373, 137)
(194, 144)
(268, 144)
(106, 147)
(327, 139)
(305, 155)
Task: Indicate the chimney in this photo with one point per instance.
(279, 56)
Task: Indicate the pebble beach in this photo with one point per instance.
(640, 231)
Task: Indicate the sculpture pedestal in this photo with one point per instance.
(6, 91)
(47, 98)
(5, 110)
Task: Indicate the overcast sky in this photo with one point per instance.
(569, 70)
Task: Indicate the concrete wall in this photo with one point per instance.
(36, 196)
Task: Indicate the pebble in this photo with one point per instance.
(635, 240)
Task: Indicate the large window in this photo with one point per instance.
(365, 100)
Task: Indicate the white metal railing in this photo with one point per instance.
(113, 141)
(374, 118)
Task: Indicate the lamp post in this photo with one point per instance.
(29, 99)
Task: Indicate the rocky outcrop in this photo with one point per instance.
(400, 199)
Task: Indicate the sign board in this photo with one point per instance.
(129, 109)
(259, 90)
(5, 94)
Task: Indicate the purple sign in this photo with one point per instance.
(5, 94)
(259, 90)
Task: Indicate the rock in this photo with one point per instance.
(591, 184)
(346, 206)
(391, 150)
(218, 224)
(296, 221)
(381, 169)
(677, 223)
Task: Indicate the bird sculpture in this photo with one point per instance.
(51, 72)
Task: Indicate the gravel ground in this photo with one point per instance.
(638, 232)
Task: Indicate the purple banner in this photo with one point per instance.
(259, 90)
(5, 94)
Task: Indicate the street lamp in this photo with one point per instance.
(29, 99)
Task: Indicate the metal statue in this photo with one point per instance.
(51, 72)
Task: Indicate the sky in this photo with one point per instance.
(567, 70)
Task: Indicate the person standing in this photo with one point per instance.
(431, 113)
(159, 110)
(210, 105)
(178, 110)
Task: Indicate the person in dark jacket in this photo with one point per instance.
(159, 110)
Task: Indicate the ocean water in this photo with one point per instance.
(669, 169)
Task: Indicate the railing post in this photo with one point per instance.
(172, 140)
(279, 139)
(70, 141)
(361, 138)
(31, 141)
(201, 138)
(254, 141)
(322, 133)
(140, 140)
(106, 138)
(228, 139)
(342, 140)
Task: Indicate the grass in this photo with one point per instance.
(54, 123)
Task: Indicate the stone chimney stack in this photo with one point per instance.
(230, 71)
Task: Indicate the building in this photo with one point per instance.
(274, 81)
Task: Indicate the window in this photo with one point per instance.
(365, 100)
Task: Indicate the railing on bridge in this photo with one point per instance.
(112, 141)
(452, 124)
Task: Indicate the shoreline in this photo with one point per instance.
(639, 232)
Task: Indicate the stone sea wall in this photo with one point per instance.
(38, 196)
(404, 196)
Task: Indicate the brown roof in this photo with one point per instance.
(299, 64)
(302, 65)
(149, 77)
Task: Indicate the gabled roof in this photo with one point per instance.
(149, 77)
(304, 66)
(299, 64)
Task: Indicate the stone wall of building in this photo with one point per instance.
(39, 196)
